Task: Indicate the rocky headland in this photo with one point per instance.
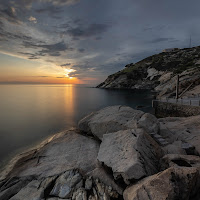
(159, 73)
(115, 153)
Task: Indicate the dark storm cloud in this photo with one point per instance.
(9, 14)
(81, 50)
(62, 2)
(31, 56)
(51, 10)
(90, 30)
(65, 65)
(157, 40)
(50, 49)
(28, 3)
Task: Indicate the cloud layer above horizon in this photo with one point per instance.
(95, 38)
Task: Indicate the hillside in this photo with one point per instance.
(159, 72)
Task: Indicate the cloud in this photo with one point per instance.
(81, 50)
(51, 10)
(65, 65)
(91, 30)
(157, 40)
(9, 13)
(28, 3)
(50, 49)
(12, 36)
(31, 56)
(62, 2)
(32, 19)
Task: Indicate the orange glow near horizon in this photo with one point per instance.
(48, 80)
(18, 70)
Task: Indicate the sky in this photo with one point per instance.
(84, 41)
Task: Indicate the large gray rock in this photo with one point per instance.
(132, 154)
(115, 118)
(182, 129)
(173, 183)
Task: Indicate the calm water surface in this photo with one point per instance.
(30, 113)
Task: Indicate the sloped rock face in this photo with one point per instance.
(67, 151)
(115, 118)
(131, 154)
(173, 183)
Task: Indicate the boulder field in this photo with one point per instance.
(116, 153)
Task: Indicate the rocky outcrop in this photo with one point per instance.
(158, 72)
(118, 153)
(115, 118)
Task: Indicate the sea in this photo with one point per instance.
(31, 113)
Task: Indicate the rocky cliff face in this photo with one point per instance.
(159, 72)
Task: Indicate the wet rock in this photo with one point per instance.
(173, 183)
(115, 118)
(131, 154)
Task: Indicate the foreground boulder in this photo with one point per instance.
(131, 154)
(116, 118)
(174, 183)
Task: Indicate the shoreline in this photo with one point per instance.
(105, 154)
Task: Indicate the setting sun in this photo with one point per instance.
(68, 71)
